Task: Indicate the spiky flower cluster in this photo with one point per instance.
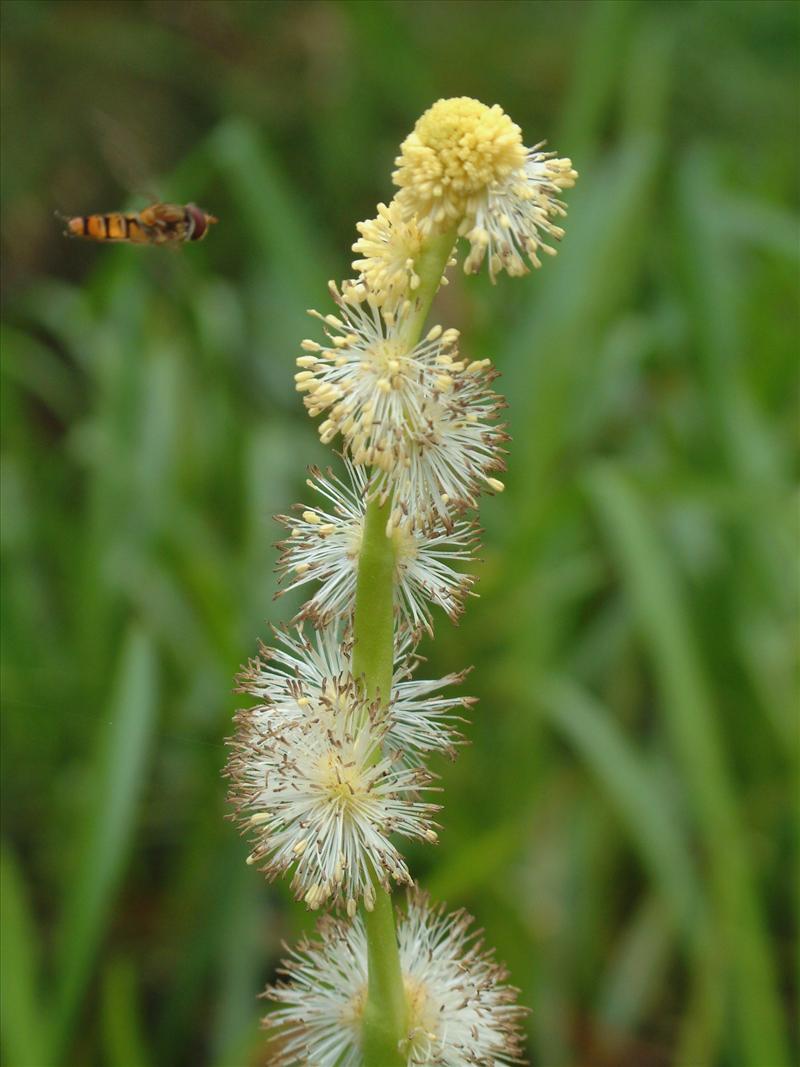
(510, 221)
(325, 541)
(457, 150)
(390, 245)
(327, 770)
(460, 1009)
(452, 455)
(423, 419)
(297, 673)
(321, 776)
(464, 164)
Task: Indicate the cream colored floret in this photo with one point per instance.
(389, 246)
(457, 148)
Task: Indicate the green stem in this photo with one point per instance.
(374, 613)
(385, 1012)
(430, 268)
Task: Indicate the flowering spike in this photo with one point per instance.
(329, 764)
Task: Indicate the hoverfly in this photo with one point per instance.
(157, 224)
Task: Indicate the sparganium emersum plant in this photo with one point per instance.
(328, 767)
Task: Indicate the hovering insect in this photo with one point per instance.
(158, 224)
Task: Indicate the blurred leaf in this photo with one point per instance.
(201, 911)
(277, 218)
(39, 371)
(24, 1013)
(637, 970)
(604, 37)
(715, 282)
(121, 769)
(761, 224)
(690, 718)
(124, 1041)
(240, 965)
(747, 445)
(475, 862)
(627, 780)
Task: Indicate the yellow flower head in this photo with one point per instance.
(389, 245)
(457, 149)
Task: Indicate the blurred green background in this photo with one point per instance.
(623, 823)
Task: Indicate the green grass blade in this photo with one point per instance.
(123, 1038)
(276, 220)
(637, 970)
(34, 368)
(627, 782)
(239, 965)
(605, 34)
(122, 765)
(22, 1011)
(690, 720)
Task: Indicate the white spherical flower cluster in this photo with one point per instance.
(421, 417)
(322, 799)
(459, 1009)
(453, 453)
(370, 382)
(464, 168)
(321, 776)
(297, 676)
(324, 544)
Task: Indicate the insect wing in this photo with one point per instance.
(164, 222)
(163, 215)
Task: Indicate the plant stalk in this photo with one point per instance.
(385, 1013)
